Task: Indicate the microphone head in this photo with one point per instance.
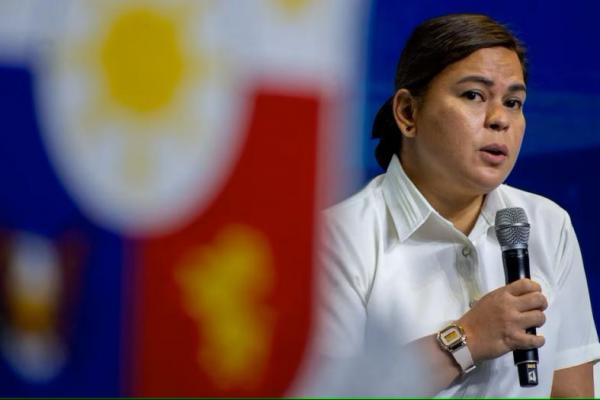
(512, 228)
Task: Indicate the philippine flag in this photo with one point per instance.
(163, 164)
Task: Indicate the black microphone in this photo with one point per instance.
(512, 231)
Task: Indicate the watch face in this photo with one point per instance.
(450, 336)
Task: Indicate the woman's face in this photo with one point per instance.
(469, 124)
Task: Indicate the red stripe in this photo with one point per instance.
(271, 190)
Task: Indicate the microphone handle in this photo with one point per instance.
(516, 266)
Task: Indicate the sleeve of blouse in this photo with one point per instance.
(340, 308)
(577, 337)
(339, 315)
(339, 364)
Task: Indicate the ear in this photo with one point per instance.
(404, 108)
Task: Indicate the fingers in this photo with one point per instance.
(520, 339)
(523, 286)
(497, 323)
(528, 295)
(532, 319)
(523, 341)
(531, 301)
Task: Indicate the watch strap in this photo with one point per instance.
(462, 355)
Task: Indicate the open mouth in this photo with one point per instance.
(496, 149)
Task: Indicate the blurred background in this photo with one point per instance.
(162, 164)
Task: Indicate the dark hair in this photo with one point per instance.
(434, 45)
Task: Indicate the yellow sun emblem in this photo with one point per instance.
(141, 70)
(142, 60)
(140, 104)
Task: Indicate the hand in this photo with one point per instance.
(496, 324)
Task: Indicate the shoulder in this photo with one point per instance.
(351, 236)
(551, 234)
(540, 210)
(359, 210)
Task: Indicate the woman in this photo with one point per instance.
(414, 254)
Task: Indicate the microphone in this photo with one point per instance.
(512, 231)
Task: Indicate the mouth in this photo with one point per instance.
(496, 149)
(494, 154)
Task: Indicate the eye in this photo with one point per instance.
(515, 104)
(473, 95)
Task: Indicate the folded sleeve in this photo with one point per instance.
(577, 337)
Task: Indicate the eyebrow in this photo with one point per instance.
(516, 87)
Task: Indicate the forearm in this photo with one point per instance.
(417, 369)
(576, 381)
(440, 366)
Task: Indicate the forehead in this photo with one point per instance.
(499, 64)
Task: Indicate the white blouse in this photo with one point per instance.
(394, 270)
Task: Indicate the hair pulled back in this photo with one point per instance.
(432, 46)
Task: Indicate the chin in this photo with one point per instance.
(490, 178)
(488, 186)
(488, 182)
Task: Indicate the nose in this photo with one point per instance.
(497, 118)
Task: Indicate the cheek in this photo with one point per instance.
(518, 132)
(452, 126)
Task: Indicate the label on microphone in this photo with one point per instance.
(528, 374)
(531, 376)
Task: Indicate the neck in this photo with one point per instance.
(461, 209)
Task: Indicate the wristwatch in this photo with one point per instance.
(452, 339)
